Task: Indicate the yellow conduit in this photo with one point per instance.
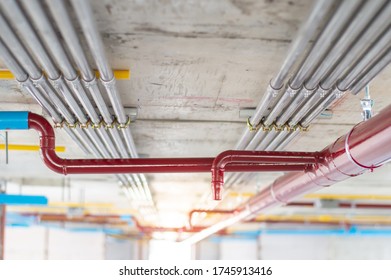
(32, 148)
(118, 74)
(328, 196)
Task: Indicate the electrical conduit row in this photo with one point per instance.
(52, 42)
(100, 139)
(353, 47)
(59, 11)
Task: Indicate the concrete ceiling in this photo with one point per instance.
(194, 65)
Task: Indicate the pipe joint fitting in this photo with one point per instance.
(90, 84)
(75, 84)
(308, 92)
(109, 83)
(321, 91)
(292, 91)
(40, 82)
(58, 83)
(273, 91)
(217, 183)
(338, 92)
(25, 83)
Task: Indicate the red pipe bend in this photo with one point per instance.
(274, 161)
(229, 161)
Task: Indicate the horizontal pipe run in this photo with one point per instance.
(150, 165)
(229, 161)
(366, 147)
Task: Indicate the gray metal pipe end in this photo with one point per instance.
(272, 90)
(40, 81)
(292, 91)
(24, 83)
(56, 83)
(74, 83)
(110, 85)
(338, 92)
(308, 92)
(322, 91)
(90, 84)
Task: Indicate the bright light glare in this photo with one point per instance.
(169, 250)
(172, 219)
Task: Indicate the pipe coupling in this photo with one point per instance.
(272, 91)
(40, 82)
(292, 91)
(322, 92)
(110, 85)
(57, 83)
(338, 92)
(90, 84)
(308, 92)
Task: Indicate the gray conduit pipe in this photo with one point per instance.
(65, 25)
(348, 38)
(26, 84)
(321, 9)
(20, 53)
(26, 32)
(370, 41)
(368, 11)
(272, 140)
(249, 140)
(376, 69)
(24, 28)
(87, 21)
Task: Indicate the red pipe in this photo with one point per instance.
(230, 161)
(366, 147)
(257, 157)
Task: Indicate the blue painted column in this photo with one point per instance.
(2, 230)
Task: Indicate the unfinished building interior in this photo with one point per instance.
(164, 129)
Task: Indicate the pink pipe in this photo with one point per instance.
(366, 147)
